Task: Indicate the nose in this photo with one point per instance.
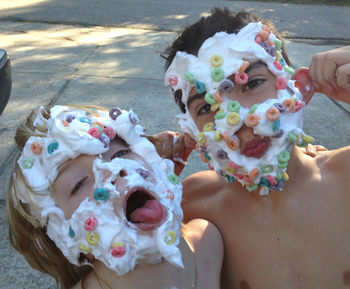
(245, 133)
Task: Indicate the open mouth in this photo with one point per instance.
(143, 210)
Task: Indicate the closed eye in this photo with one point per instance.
(120, 153)
(78, 186)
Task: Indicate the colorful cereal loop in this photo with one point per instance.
(233, 106)
(243, 67)
(265, 28)
(217, 74)
(209, 98)
(201, 138)
(266, 169)
(71, 232)
(101, 194)
(230, 179)
(214, 106)
(233, 145)
(170, 237)
(298, 105)
(216, 60)
(289, 70)
(27, 163)
(252, 188)
(253, 108)
(90, 224)
(52, 148)
(115, 112)
(220, 114)
(173, 80)
(98, 123)
(282, 165)
(276, 125)
(204, 159)
(233, 165)
(189, 77)
(272, 113)
(264, 35)
(169, 194)
(85, 120)
(218, 97)
(233, 118)
(208, 127)
(95, 131)
(283, 157)
(217, 135)
(278, 65)
(292, 137)
(289, 104)
(241, 78)
(173, 179)
(226, 86)
(279, 175)
(118, 249)
(254, 173)
(230, 170)
(308, 139)
(272, 180)
(200, 86)
(65, 123)
(109, 132)
(82, 247)
(278, 44)
(281, 83)
(278, 56)
(92, 238)
(252, 120)
(285, 176)
(36, 148)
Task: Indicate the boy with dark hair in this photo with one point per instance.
(242, 102)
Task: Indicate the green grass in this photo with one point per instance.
(313, 2)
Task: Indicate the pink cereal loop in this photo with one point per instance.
(210, 167)
(238, 176)
(109, 132)
(218, 97)
(264, 35)
(118, 251)
(272, 113)
(258, 40)
(173, 80)
(36, 148)
(298, 105)
(94, 132)
(281, 83)
(272, 180)
(247, 178)
(243, 67)
(254, 173)
(90, 224)
(241, 78)
(278, 65)
(252, 120)
(233, 165)
(289, 103)
(233, 145)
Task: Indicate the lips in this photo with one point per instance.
(255, 148)
(143, 210)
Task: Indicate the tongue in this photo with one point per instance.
(150, 212)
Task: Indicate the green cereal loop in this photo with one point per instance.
(279, 175)
(189, 77)
(98, 128)
(289, 70)
(283, 157)
(217, 74)
(220, 115)
(292, 137)
(234, 106)
(252, 188)
(27, 163)
(303, 144)
(253, 108)
(209, 98)
(294, 98)
(266, 169)
(278, 44)
(173, 179)
(282, 165)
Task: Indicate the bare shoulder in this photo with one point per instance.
(78, 285)
(206, 243)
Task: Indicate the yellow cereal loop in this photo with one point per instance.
(218, 136)
(208, 127)
(118, 244)
(84, 248)
(170, 237)
(233, 118)
(214, 106)
(285, 176)
(92, 238)
(230, 170)
(308, 139)
(201, 138)
(278, 56)
(216, 60)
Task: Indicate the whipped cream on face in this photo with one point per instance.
(279, 118)
(98, 227)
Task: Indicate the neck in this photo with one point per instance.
(146, 275)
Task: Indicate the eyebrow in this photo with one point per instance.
(255, 65)
(194, 97)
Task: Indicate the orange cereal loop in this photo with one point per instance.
(264, 35)
(252, 120)
(254, 173)
(226, 137)
(243, 67)
(272, 113)
(271, 43)
(65, 123)
(204, 159)
(233, 145)
(218, 97)
(289, 103)
(265, 28)
(100, 124)
(36, 148)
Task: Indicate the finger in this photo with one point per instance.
(343, 76)
(310, 150)
(320, 148)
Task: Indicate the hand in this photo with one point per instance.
(312, 150)
(178, 152)
(329, 73)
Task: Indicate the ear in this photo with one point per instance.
(303, 83)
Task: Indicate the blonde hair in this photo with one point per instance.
(27, 235)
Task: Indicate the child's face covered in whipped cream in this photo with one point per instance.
(260, 87)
